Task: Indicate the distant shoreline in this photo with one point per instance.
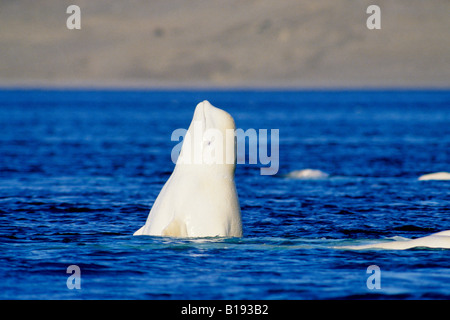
(156, 85)
(323, 44)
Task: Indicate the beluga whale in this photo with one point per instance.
(307, 174)
(438, 240)
(200, 199)
(435, 176)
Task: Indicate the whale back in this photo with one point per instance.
(435, 176)
(439, 240)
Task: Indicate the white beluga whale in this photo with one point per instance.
(200, 198)
(307, 174)
(439, 240)
(435, 176)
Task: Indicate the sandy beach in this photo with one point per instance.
(259, 43)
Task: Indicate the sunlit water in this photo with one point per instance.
(79, 171)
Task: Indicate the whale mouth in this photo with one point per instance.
(204, 108)
(207, 116)
(201, 116)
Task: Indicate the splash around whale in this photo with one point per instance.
(200, 198)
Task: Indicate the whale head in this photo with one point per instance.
(210, 141)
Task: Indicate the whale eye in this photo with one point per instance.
(211, 141)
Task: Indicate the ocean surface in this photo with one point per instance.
(80, 170)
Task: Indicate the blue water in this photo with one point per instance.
(79, 171)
